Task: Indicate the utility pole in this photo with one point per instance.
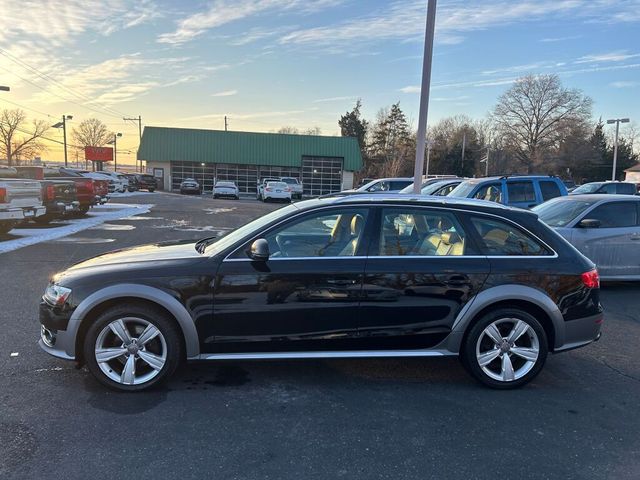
(64, 137)
(429, 143)
(226, 124)
(464, 144)
(617, 121)
(139, 120)
(486, 163)
(115, 150)
(424, 95)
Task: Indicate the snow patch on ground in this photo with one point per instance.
(214, 211)
(97, 216)
(130, 194)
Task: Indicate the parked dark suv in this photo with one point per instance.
(524, 191)
(355, 276)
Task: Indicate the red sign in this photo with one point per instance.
(98, 154)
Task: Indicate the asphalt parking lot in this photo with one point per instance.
(382, 418)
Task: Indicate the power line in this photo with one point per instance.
(45, 77)
(27, 108)
(56, 95)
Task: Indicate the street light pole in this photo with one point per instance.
(424, 95)
(63, 125)
(115, 150)
(617, 121)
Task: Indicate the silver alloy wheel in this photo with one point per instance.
(131, 351)
(507, 349)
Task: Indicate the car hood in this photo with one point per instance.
(154, 252)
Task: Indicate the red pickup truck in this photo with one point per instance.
(89, 191)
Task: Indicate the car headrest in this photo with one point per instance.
(357, 223)
(451, 238)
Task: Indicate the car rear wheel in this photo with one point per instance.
(132, 347)
(505, 349)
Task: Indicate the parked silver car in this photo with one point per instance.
(605, 228)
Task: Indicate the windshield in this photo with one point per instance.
(561, 211)
(587, 188)
(290, 181)
(463, 190)
(225, 184)
(238, 234)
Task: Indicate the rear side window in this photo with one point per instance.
(491, 192)
(549, 190)
(398, 184)
(521, 192)
(419, 232)
(626, 189)
(615, 214)
(504, 239)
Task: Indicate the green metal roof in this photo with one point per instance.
(162, 144)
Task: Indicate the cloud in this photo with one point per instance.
(256, 34)
(624, 84)
(222, 12)
(559, 39)
(226, 93)
(404, 19)
(619, 56)
(244, 116)
(335, 99)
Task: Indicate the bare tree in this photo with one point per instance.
(289, 130)
(534, 114)
(91, 133)
(18, 139)
(312, 131)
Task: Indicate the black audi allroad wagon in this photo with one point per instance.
(339, 277)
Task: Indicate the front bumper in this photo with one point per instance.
(55, 336)
(581, 332)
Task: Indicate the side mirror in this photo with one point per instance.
(259, 250)
(589, 223)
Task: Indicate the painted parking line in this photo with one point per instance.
(97, 216)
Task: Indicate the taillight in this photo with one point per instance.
(3, 195)
(268, 189)
(591, 279)
(51, 194)
(287, 189)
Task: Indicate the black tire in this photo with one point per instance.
(44, 219)
(151, 314)
(82, 211)
(151, 190)
(6, 227)
(215, 196)
(468, 352)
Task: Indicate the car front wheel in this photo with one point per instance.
(505, 349)
(132, 347)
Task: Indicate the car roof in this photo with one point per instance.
(511, 177)
(594, 197)
(417, 200)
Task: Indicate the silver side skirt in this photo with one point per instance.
(330, 354)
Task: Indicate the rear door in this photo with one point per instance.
(421, 271)
(521, 193)
(615, 246)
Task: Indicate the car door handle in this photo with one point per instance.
(342, 282)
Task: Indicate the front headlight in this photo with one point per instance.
(56, 295)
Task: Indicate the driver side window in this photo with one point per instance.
(338, 233)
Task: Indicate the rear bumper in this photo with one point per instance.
(14, 214)
(61, 208)
(581, 332)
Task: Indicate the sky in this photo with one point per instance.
(302, 63)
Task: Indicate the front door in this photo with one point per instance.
(304, 297)
(421, 271)
(615, 246)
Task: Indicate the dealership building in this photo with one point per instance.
(323, 164)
